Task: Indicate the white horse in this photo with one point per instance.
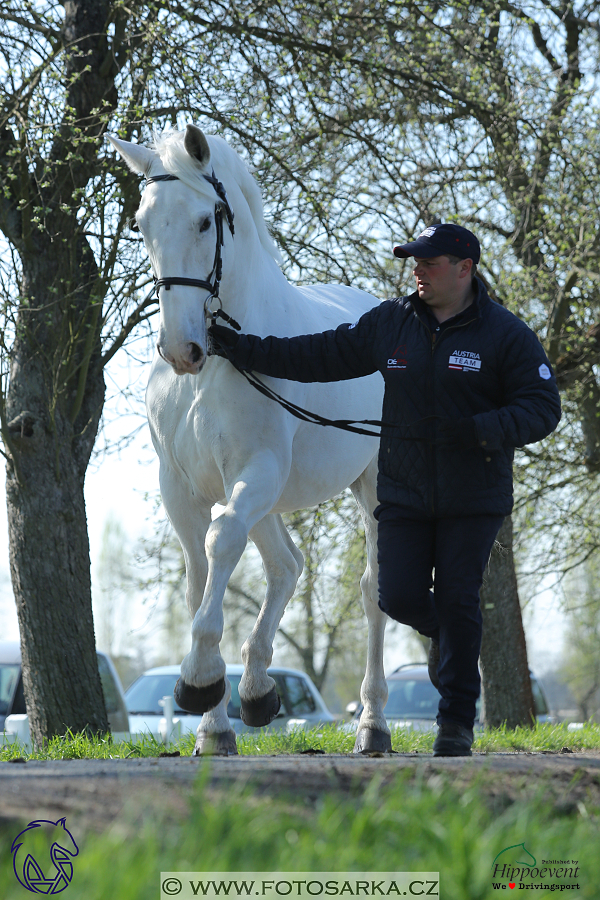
(220, 441)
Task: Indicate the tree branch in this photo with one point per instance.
(132, 320)
(570, 366)
(256, 605)
(559, 314)
(38, 25)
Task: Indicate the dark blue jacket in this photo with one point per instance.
(483, 363)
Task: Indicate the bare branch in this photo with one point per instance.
(132, 321)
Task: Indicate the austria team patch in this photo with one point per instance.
(465, 360)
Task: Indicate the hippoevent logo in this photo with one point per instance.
(515, 868)
(52, 871)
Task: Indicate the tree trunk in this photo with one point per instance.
(49, 560)
(507, 696)
(56, 387)
(51, 425)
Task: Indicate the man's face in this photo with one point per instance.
(437, 278)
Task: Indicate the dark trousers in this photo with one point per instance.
(449, 555)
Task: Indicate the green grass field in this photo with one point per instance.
(422, 825)
(419, 822)
(545, 737)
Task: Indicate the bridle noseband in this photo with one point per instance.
(213, 282)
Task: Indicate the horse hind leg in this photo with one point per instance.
(373, 733)
(283, 564)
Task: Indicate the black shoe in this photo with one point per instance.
(453, 740)
(433, 661)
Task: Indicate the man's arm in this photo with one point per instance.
(346, 352)
(531, 403)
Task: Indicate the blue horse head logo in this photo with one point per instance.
(43, 878)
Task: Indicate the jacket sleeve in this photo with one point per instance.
(346, 352)
(530, 407)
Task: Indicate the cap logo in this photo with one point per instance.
(428, 231)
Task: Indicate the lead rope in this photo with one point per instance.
(298, 411)
(314, 418)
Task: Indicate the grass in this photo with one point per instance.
(418, 822)
(544, 737)
(329, 739)
(423, 824)
(82, 746)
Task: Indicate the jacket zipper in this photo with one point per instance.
(430, 447)
(433, 457)
(433, 447)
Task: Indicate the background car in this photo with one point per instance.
(12, 698)
(413, 700)
(301, 704)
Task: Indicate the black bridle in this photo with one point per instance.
(213, 282)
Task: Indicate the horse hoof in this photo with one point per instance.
(262, 711)
(199, 699)
(372, 740)
(222, 743)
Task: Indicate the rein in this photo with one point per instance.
(222, 206)
(314, 418)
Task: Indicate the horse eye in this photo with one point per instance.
(205, 225)
(133, 225)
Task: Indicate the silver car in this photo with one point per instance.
(413, 701)
(12, 698)
(301, 704)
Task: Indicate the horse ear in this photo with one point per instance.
(196, 145)
(138, 158)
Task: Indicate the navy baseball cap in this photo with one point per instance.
(438, 240)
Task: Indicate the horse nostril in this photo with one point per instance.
(196, 353)
(166, 356)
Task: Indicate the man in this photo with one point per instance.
(466, 382)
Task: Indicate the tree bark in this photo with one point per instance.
(49, 560)
(507, 696)
(56, 388)
(52, 429)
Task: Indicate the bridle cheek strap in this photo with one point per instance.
(213, 282)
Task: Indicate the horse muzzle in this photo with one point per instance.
(187, 359)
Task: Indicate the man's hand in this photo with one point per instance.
(460, 432)
(223, 339)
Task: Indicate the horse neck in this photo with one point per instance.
(257, 294)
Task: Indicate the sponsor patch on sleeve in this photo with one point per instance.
(545, 372)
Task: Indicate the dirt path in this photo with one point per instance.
(97, 791)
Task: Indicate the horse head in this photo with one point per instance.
(186, 220)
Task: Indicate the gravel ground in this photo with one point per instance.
(97, 791)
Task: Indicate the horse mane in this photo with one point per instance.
(177, 161)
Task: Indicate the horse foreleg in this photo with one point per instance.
(215, 736)
(202, 684)
(190, 518)
(373, 732)
(283, 564)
